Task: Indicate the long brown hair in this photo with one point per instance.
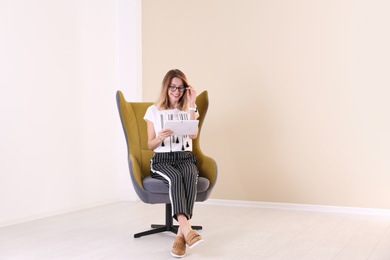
(163, 99)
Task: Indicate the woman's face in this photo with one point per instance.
(175, 90)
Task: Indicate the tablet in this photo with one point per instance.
(182, 127)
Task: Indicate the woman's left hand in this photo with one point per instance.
(191, 95)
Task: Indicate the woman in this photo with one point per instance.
(173, 161)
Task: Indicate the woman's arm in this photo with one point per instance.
(194, 116)
(191, 97)
(155, 140)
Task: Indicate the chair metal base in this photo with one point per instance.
(167, 227)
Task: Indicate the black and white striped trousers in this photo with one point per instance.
(178, 170)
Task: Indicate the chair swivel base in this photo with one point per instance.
(163, 228)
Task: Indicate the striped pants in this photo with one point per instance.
(178, 170)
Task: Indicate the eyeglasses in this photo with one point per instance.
(173, 88)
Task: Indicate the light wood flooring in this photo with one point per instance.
(231, 233)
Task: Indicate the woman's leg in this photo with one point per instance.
(184, 225)
(187, 166)
(162, 168)
(186, 232)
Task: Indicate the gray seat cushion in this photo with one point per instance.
(158, 186)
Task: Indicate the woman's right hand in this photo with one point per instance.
(155, 140)
(164, 133)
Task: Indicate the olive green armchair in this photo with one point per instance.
(151, 190)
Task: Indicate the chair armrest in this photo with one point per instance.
(135, 170)
(207, 168)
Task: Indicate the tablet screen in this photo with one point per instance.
(182, 127)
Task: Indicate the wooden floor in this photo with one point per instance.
(231, 233)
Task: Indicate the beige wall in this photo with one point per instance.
(299, 93)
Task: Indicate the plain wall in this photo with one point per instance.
(299, 91)
(62, 147)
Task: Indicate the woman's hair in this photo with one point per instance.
(163, 99)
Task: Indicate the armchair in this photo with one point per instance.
(148, 189)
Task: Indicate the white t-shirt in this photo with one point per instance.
(177, 143)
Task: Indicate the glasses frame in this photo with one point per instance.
(174, 88)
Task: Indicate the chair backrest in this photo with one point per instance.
(135, 129)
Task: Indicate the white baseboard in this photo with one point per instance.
(219, 202)
(54, 213)
(305, 207)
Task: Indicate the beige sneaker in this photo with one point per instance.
(179, 247)
(193, 239)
